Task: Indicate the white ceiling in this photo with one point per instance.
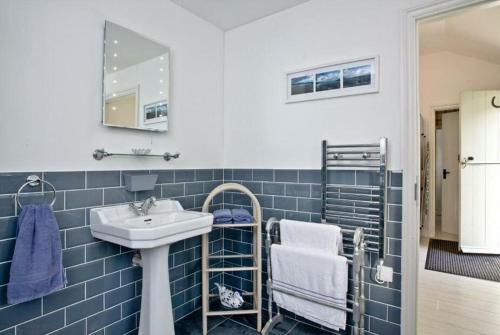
(228, 14)
(474, 33)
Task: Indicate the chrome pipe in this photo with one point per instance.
(352, 152)
(354, 159)
(354, 165)
(383, 192)
(354, 227)
(362, 288)
(358, 187)
(357, 269)
(269, 227)
(349, 218)
(369, 202)
(358, 215)
(329, 205)
(356, 194)
(370, 235)
(369, 145)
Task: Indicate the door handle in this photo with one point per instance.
(445, 173)
(466, 160)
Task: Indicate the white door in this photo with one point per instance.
(480, 178)
(449, 173)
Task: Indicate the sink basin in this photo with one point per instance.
(166, 223)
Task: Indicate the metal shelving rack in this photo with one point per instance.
(256, 255)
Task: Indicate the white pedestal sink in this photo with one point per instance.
(165, 224)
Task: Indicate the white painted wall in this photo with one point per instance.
(50, 85)
(443, 76)
(262, 131)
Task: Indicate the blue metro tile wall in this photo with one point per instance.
(103, 292)
(104, 289)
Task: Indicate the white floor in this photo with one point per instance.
(456, 305)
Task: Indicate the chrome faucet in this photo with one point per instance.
(144, 208)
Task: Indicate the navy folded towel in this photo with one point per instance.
(241, 215)
(222, 216)
(37, 268)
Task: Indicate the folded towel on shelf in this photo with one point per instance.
(312, 273)
(36, 268)
(241, 215)
(222, 216)
(324, 237)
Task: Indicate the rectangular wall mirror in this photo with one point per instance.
(136, 81)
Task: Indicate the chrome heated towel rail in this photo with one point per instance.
(356, 259)
(352, 206)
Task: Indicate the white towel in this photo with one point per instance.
(315, 274)
(323, 237)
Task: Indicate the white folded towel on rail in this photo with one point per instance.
(324, 237)
(312, 273)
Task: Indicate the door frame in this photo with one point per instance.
(411, 143)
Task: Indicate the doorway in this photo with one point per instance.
(455, 293)
(446, 174)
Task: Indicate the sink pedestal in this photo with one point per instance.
(153, 234)
(156, 304)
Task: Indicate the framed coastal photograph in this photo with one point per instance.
(326, 81)
(355, 76)
(302, 84)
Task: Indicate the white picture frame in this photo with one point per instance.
(342, 78)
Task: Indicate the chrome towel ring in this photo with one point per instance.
(33, 181)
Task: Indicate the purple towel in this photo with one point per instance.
(36, 268)
(222, 216)
(242, 215)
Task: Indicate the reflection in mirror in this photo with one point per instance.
(136, 81)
